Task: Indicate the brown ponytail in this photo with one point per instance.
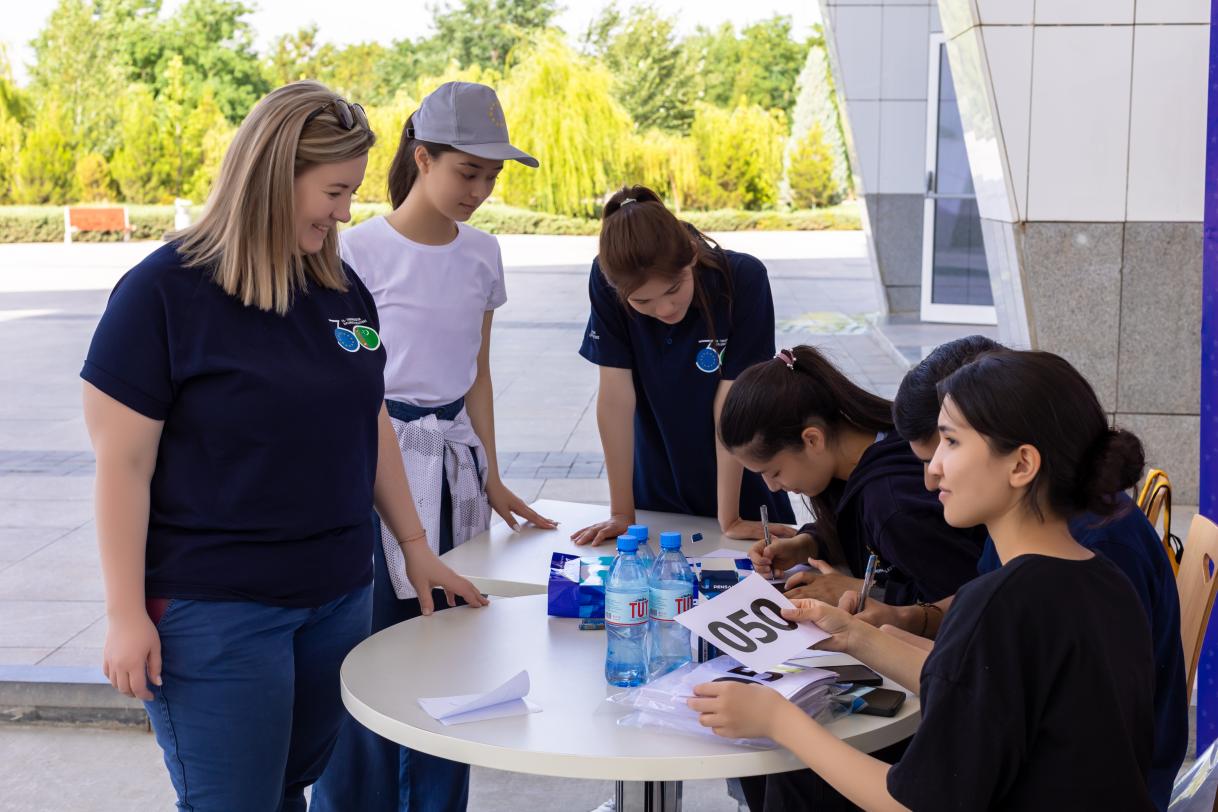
(405, 169)
(771, 403)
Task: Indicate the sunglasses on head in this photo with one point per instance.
(348, 114)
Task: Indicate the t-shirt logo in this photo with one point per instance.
(356, 335)
(710, 357)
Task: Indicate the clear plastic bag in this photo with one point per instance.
(661, 703)
(1195, 790)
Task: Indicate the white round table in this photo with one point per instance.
(576, 735)
(502, 562)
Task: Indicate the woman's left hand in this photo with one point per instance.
(427, 572)
(822, 583)
(737, 711)
(506, 503)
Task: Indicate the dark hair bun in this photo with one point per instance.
(1114, 464)
(628, 195)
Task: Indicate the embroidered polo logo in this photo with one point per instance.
(356, 336)
(710, 357)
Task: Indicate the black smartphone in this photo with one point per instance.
(882, 702)
(855, 674)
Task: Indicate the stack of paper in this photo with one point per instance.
(506, 700)
(662, 703)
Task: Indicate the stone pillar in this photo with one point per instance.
(878, 52)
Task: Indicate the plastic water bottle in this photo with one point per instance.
(640, 532)
(626, 617)
(672, 589)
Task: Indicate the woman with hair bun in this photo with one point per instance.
(1038, 691)
(674, 320)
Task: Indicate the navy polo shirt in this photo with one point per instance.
(263, 482)
(676, 370)
(1131, 542)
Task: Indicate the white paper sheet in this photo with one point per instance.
(507, 699)
(745, 624)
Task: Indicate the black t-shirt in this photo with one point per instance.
(677, 369)
(1037, 695)
(884, 508)
(263, 482)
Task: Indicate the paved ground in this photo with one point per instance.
(52, 295)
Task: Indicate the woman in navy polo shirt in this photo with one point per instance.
(234, 396)
(674, 320)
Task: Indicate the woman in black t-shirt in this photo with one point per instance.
(1038, 692)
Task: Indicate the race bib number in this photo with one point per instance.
(746, 623)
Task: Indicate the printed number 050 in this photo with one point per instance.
(737, 637)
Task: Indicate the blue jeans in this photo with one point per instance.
(369, 773)
(249, 708)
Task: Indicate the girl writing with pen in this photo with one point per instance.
(674, 320)
(802, 425)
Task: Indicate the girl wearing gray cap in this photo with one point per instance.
(436, 282)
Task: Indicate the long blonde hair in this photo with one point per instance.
(247, 234)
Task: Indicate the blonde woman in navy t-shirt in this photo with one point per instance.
(234, 397)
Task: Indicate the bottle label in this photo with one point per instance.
(666, 604)
(625, 608)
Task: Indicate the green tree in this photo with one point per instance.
(209, 134)
(143, 166)
(93, 178)
(356, 72)
(739, 156)
(484, 32)
(664, 162)
(80, 63)
(654, 77)
(46, 165)
(758, 66)
(816, 108)
(14, 111)
(299, 55)
(561, 110)
(810, 172)
(214, 40)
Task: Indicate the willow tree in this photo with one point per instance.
(560, 108)
(664, 162)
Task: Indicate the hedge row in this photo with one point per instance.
(45, 223)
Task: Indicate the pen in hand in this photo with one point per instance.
(868, 580)
(765, 524)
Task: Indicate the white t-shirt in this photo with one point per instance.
(431, 300)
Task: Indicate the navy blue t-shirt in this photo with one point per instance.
(263, 482)
(676, 370)
(1131, 542)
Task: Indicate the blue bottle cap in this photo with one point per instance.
(640, 531)
(627, 544)
(670, 541)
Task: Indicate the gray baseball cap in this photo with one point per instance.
(469, 117)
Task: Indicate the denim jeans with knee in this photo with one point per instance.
(249, 708)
